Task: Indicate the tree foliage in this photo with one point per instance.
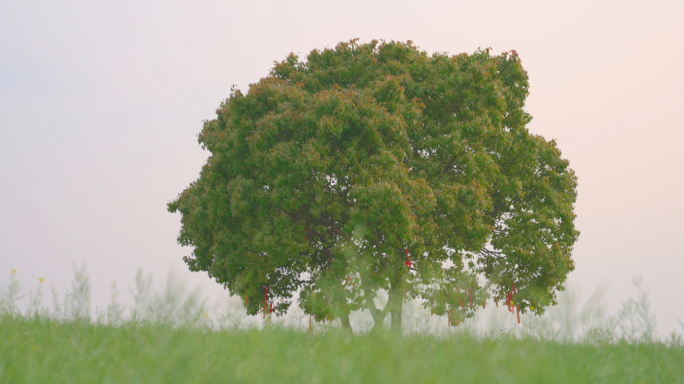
(326, 171)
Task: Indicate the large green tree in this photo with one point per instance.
(377, 166)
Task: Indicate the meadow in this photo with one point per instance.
(171, 338)
(47, 351)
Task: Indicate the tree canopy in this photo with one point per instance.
(377, 166)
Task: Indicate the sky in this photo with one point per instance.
(101, 104)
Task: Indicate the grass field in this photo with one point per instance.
(44, 351)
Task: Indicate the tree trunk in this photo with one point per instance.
(344, 318)
(378, 315)
(378, 318)
(396, 304)
(396, 317)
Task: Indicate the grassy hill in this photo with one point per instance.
(48, 351)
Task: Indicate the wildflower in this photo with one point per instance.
(531, 307)
(41, 280)
(14, 271)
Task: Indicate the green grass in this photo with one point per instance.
(39, 351)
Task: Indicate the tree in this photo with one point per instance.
(377, 166)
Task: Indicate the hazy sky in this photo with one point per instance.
(101, 102)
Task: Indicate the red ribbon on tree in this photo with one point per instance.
(517, 307)
(265, 300)
(459, 297)
(510, 299)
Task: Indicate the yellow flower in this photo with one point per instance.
(531, 307)
(14, 271)
(41, 280)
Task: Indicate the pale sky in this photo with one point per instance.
(101, 102)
